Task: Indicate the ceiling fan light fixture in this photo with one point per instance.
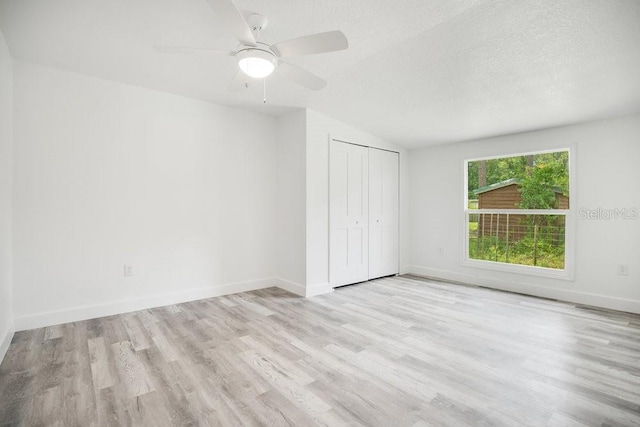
(256, 62)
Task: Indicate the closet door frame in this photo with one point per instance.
(332, 280)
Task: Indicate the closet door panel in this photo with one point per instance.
(348, 213)
(383, 213)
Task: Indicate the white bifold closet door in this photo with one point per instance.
(348, 213)
(383, 213)
(363, 213)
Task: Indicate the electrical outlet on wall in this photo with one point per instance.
(128, 270)
(623, 270)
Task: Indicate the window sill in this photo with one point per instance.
(550, 273)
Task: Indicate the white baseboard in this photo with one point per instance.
(76, 314)
(6, 341)
(293, 287)
(405, 269)
(586, 298)
(319, 289)
(302, 290)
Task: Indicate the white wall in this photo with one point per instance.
(107, 174)
(291, 221)
(319, 129)
(6, 170)
(204, 200)
(607, 176)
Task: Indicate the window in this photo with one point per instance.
(517, 213)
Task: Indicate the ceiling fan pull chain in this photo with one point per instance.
(264, 91)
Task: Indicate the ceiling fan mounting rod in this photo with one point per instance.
(257, 22)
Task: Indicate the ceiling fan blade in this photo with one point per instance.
(240, 82)
(188, 49)
(229, 13)
(300, 76)
(314, 43)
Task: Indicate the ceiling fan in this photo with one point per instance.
(257, 59)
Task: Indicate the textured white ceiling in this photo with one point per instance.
(417, 72)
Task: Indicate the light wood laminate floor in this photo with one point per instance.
(393, 352)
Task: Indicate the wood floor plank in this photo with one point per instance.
(46, 408)
(132, 373)
(296, 393)
(53, 332)
(280, 362)
(99, 364)
(400, 351)
(78, 387)
(164, 343)
(134, 328)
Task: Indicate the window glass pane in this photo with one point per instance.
(533, 181)
(538, 181)
(534, 240)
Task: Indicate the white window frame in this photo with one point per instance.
(568, 272)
